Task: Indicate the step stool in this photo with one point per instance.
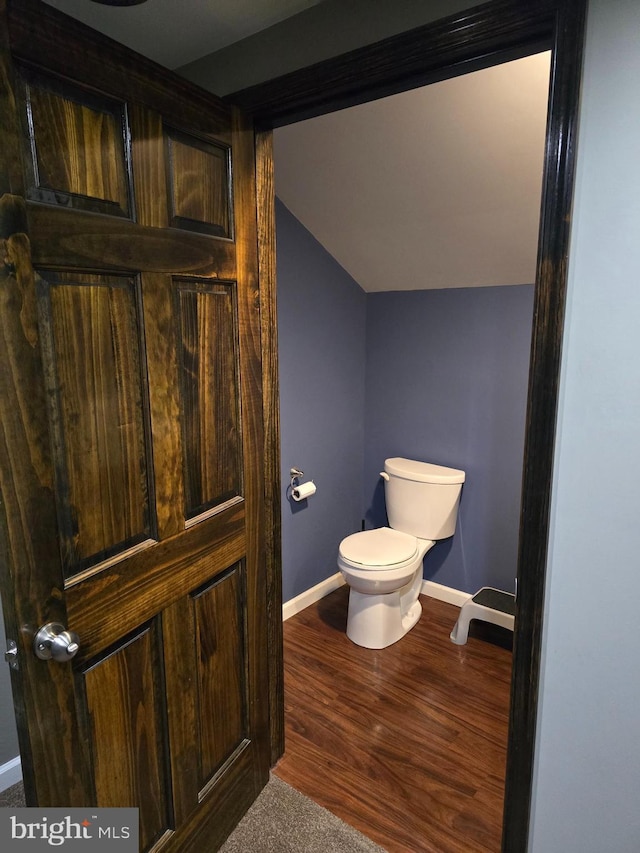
(488, 604)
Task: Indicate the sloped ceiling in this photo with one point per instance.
(433, 188)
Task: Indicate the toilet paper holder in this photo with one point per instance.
(299, 492)
(296, 473)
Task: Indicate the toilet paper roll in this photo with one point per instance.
(303, 491)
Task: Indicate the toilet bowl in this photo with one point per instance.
(383, 567)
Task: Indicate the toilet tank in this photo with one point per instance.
(422, 499)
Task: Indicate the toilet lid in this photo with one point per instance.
(381, 547)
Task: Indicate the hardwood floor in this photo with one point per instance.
(408, 743)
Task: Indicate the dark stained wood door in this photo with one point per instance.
(131, 446)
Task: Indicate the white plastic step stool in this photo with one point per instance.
(488, 604)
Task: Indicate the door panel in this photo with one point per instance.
(164, 400)
(209, 394)
(92, 353)
(222, 706)
(132, 726)
(76, 145)
(132, 450)
(198, 184)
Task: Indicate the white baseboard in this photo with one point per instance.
(445, 593)
(10, 773)
(310, 596)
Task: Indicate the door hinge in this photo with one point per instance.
(11, 655)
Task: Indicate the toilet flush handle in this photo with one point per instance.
(384, 475)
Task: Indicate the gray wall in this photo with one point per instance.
(328, 29)
(447, 374)
(321, 338)
(8, 734)
(587, 785)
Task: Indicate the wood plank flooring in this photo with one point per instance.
(408, 743)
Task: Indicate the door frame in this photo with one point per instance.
(486, 35)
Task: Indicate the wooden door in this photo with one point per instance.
(131, 446)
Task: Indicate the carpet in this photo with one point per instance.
(282, 820)
(13, 797)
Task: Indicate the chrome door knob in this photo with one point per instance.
(54, 642)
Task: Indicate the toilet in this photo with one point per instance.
(383, 567)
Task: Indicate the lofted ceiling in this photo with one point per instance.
(436, 187)
(433, 188)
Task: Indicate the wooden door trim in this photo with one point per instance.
(476, 38)
(271, 409)
(486, 35)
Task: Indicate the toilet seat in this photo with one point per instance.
(379, 549)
